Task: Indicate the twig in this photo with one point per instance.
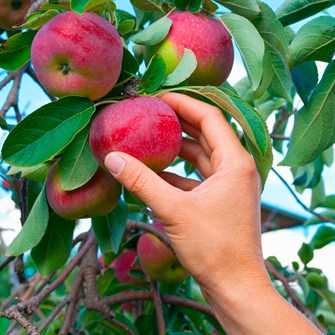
(279, 276)
(75, 295)
(13, 314)
(53, 314)
(280, 137)
(122, 297)
(135, 225)
(13, 96)
(320, 216)
(158, 308)
(30, 305)
(6, 262)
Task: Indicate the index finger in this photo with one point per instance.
(207, 118)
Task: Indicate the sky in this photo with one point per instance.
(283, 244)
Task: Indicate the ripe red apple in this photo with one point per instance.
(12, 12)
(124, 264)
(77, 55)
(97, 197)
(144, 127)
(158, 261)
(206, 37)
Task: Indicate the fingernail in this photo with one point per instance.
(115, 163)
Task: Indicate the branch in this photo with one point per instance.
(135, 225)
(300, 305)
(158, 307)
(53, 315)
(320, 216)
(13, 314)
(30, 305)
(13, 96)
(122, 297)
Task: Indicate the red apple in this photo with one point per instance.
(77, 55)
(158, 260)
(12, 12)
(144, 127)
(95, 198)
(5, 184)
(206, 37)
(124, 264)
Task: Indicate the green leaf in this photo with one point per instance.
(306, 253)
(109, 229)
(52, 252)
(125, 26)
(147, 5)
(282, 83)
(254, 127)
(271, 29)
(192, 6)
(3, 123)
(292, 11)
(184, 69)
(77, 165)
(323, 236)
(314, 41)
(79, 5)
(305, 78)
(210, 6)
(267, 75)
(314, 128)
(154, 75)
(33, 229)
(36, 173)
(318, 195)
(329, 202)
(15, 51)
(153, 34)
(45, 132)
(129, 66)
(269, 106)
(246, 8)
(37, 20)
(246, 35)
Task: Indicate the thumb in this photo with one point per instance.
(140, 180)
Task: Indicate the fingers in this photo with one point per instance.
(192, 152)
(208, 119)
(143, 182)
(182, 183)
(197, 135)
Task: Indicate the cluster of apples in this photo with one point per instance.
(82, 55)
(157, 261)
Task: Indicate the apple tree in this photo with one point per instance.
(120, 276)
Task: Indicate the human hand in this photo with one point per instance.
(214, 226)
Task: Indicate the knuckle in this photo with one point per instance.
(137, 182)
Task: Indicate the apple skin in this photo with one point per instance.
(125, 263)
(76, 54)
(206, 37)
(12, 12)
(158, 260)
(5, 184)
(144, 127)
(97, 197)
